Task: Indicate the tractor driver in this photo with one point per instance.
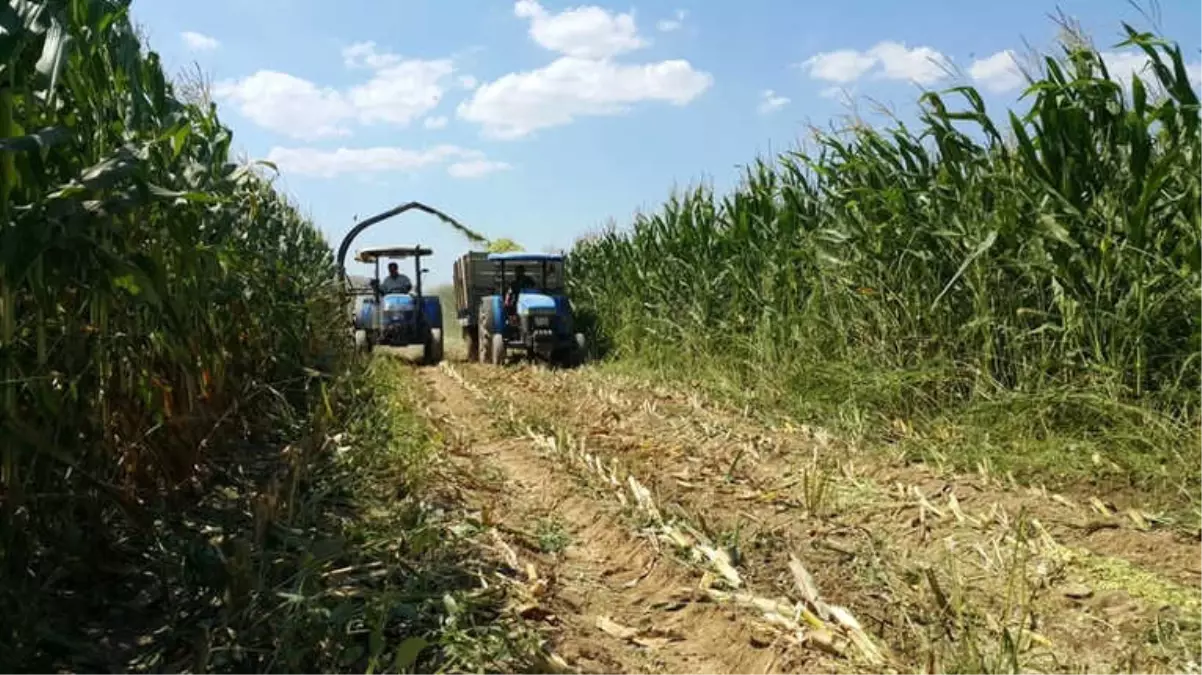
(520, 283)
(395, 282)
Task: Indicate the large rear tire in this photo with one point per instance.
(484, 352)
(497, 349)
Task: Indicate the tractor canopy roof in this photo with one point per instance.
(375, 252)
(522, 256)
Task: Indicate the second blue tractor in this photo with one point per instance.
(498, 316)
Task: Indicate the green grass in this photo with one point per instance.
(1021, 290)
(161, 306)
(552, 538)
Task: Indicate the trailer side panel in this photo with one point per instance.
(475, 277)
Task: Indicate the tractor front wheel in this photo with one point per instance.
(580, 354)
(362, 343)
(497, 351)
(433, 350)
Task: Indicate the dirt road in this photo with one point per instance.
(660, 533)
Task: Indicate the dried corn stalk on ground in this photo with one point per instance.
(870, 564)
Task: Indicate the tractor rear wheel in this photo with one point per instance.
(497, 351)
(482, 346)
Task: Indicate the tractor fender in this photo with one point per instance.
(563, 309)
(366, 312)
(432, 310)
(495, 315)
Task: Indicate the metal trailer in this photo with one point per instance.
(538, 323)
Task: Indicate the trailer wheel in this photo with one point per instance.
(497, 351)
(473, 344)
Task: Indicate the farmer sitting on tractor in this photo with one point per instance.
(520, 283)
(395, 282)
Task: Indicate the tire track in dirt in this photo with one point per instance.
(1074, 518)
(612, 601)
(943, 569)
(1080, 521)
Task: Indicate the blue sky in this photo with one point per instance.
(543, 120)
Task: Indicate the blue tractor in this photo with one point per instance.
(399, 316)
(516, 302)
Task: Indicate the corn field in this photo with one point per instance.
(157, 299)
(1052, 252)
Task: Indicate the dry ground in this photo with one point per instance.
(659, 532)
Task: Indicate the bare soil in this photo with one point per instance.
(944, 571)
(610, 599)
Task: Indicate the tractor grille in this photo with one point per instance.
(398, 316)
(540, 327)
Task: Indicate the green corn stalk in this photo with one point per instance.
(156, 299)
(1053, 249)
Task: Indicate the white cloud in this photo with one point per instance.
(365, 55)
(673, 24)
(920, 64)
(288, 104)
(1123, 65)
(844, 95)
(588, 31)
(997, 73)
(435, 122)
(331, 163)
(401, 92)
(475, 168)
(844, 65)
(199, 42)
(584, 80)
(520, 103)
(770, 101)
(398, 92)
(891, 61)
